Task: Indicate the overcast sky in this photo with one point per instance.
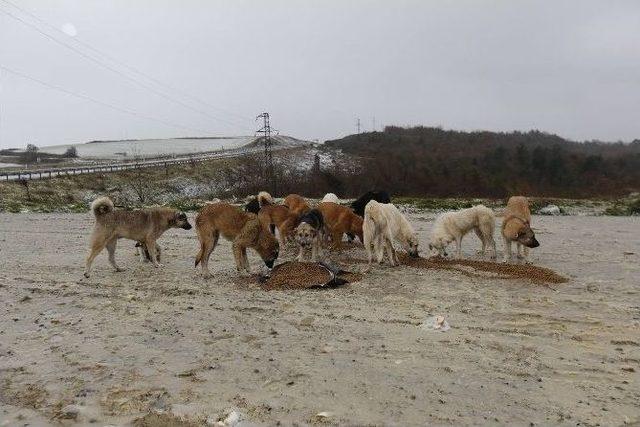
(567, 67)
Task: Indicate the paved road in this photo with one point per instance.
(114, 167)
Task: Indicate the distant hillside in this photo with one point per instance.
(424, 161)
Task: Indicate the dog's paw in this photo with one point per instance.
(158, 265)
(86, 275)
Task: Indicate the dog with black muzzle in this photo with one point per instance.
(243, 229)
(516, 227)
(309, 234)
(143, 225)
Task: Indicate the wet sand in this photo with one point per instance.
(117, 346)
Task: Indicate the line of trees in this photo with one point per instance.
(424, 161)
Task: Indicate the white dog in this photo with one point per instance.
(452, 226)
(383, 224)
(330, 197)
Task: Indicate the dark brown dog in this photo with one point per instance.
(339, 220)
(242, 228)
(144, 225)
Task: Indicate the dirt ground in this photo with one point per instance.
(115, 347)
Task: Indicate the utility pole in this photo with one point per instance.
(358, 124)
(269, 173)
(374, 123)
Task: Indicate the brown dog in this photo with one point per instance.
(144, 225)
(338, 220)
(516, 227)
(280, 217)
(297, 204)
(241, 228)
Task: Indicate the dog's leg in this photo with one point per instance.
(314, 249)
(111, 248)
(245, 260)
(507, 250)
(482, 239)
(239, 257)
(393, 258)
(300, 256)
(459, 246)
(97, 246)
(525, 254)
(151, 247)
(206, 248)
(336, 238)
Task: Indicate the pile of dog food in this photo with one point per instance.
(494, 270)
(305, 275)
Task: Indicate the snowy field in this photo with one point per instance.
(149, 147)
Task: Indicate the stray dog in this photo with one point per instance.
(309, 233)
(516, 227)
(241, 228)
(452, 226)
(278, 217)
(296, 204)
(359, 204)
(143, 252)
(144, 225)
(330, 197)
(339, 220)
(384, 224)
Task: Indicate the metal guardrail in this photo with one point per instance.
(114, 167)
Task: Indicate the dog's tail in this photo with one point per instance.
(101, 206)
(264, 199)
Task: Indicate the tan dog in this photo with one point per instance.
(144, 225)
(280, 217)
(310, 234)
(241, 228)
(297, 204)
(338, 220)
(516, 227)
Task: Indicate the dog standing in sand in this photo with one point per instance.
(383, 225)
(516, 227)
(452, 226)
(241, 228)
(339, 220)
(309, 234)
(144, 226)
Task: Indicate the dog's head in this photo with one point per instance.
(527, 237)
(180, 220)
(412, 246)
(264, 242)
(305, 234)
(438, 246)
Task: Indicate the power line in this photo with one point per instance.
(269, 173)
(125, 65)
(114, 70)
(97, 101)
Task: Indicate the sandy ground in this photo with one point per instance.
(117, 346)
